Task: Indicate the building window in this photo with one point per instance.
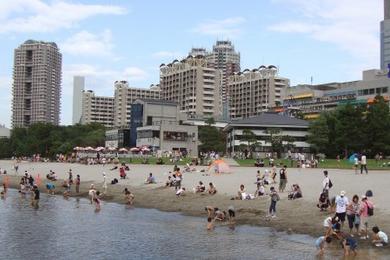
(175, 136)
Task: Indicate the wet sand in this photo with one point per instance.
(298, 216)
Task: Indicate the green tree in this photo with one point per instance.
(211, 139)
(377, 127)
(275, 139)
(319, 134)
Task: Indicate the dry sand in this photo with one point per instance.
(299, 216)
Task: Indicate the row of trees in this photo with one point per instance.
(353, 128)
(49, 140)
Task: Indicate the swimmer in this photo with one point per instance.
(320, 244)
(50, 188)
(96, 200)
(91, 193)
(129, 197)
(210, 224)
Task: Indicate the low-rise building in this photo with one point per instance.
(157, 123)
(4, 132)
(311, 100)
(117, 138)
(260, 126)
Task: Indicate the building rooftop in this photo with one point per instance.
(40, 42)
(270, 119)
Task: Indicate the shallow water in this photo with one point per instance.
(71, 229)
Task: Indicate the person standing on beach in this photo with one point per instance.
(366, 211)
(274, 199)
(283, 178)
(363, 164)
(78, 181)
(326, 184)
(341, 207)
(70, 178)
(104, 182)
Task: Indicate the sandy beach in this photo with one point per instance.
(298, 216)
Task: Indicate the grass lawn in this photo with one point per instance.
(153, 160)
(326, 163)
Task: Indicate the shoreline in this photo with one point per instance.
(292, 219)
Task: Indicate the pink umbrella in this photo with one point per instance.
(124, 150)
(134, 149)
(99, 149)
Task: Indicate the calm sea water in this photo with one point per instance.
(70, 229)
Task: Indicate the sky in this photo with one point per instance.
(109, 40)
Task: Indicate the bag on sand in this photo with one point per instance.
(330, 185)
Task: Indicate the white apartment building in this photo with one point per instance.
(97, 109)
(78, 88)
(125, 96)
(194, 84)
(252, 92)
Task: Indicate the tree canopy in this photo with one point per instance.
(352, 128)
(48, 140)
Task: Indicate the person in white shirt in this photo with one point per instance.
(341, 206)
(325, 184)
(363, 164)
(379, 238)
(180, 192)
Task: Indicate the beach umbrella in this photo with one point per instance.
(145, 149)
(134, 149)
(89, 148)
(77, 148)
(99, 149)
(123, 150)
(111, 149)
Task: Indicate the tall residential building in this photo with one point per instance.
(36, 84)
(78, 88)
(255, 91)
(125, 96)
(227, 60)
(97, 109)
(194, 84)
(385, 36)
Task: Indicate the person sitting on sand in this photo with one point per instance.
(210, 223)
(180, 192)
(379, 237)
(200, 188)
(323, 202)
(266, 177)
(129, 197)
(260, 190)
(295, 192)
(50, 188)
(150, 179)
(320, 244)
(212, 189)
(241, 194)
(169, 182)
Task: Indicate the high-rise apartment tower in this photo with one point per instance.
(385, 36)
(36, 84)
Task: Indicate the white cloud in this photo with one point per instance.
(86, 43)
(228, 28)
(39, 16)
(135, 74)
(167, 54)
(352, 25)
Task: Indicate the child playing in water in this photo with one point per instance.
(349, 244)
(320, 244)
(210, 223)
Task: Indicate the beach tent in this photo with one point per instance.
(219, 166)
(351, 158)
